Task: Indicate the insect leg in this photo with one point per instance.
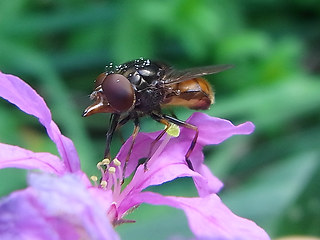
(193, 143)
(120, 124)
(123, 121)
(163, 121)
(114, 119)
(134, 135)
(172, 113)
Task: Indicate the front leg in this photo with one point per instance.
(134, 135)
(114, 120)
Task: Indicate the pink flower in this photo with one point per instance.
(66, 204)
(54, 208)
(51, 207)
(208, 217)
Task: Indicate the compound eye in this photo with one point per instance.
(119, 92)
(99, 80)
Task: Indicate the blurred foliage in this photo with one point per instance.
(271, 176)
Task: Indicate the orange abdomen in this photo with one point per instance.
(195, 93)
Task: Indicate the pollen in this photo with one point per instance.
(99, 164)
(112, 169)
(116, 162)
(104, 183)
(94, 178)
(173, 130)
(105, 161)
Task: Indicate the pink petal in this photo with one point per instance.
(167, 168)
(21, 217)
(140, 150)
(28, 100)
(208, 217)
(214, 130)
(168, 165)
(66, 149)
(54, 208)
(212, 184)
(16, 157)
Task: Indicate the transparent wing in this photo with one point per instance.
(175, 76)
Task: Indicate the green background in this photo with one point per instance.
(271, 176)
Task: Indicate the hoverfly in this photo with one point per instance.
(143, 87)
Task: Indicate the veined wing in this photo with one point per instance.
(175, 76)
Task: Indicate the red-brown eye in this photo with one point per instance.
(119, 92)
(99, 79)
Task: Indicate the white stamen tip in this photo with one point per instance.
(112, 169)
(103, 183)
(99, 164)
(94, 178)
(106, 161)
(116, 162)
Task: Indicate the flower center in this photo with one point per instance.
(111, 172)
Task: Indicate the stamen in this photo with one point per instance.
(116, 162)
(112, 170)
(173, 130)
(94, 178)
(104, 184)
(116, 185)
(105, 161)
(99, 164)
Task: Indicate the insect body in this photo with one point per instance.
(143, 87)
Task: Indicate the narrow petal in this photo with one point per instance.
(19, 93)
(24, 97)
(166, 166)
(208, 217)
(214, 130)
(16, 157)
(140, 150)
(66, 148)
(211, 185)
(169, 165)
(54, 208)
